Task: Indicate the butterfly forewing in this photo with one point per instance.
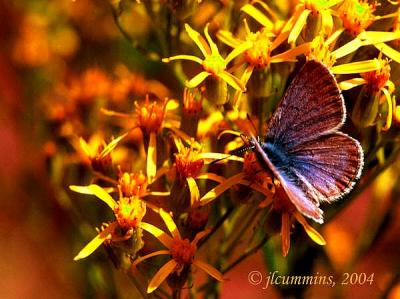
(313, 161)
(312, 105)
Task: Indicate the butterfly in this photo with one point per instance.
(303, 146)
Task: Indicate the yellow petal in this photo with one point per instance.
(183, 57)
(196, 80)
(356, 67)
(199, 40)
(85, 147)
(300, 23)
(145, 257)
(211, 176)
(210, 270)
(232, 81)
(194, 191)
(390, 110)
(95, 243)
(214, 48)
(219, 156)
(334, 36)
(163, 237)
(245, 78)
(351, 83)
(389, 51)
(290, 55)
(169, 222)
(171, 105)
(152, 157)
(374, 37)
(161, 275)
(238, 50)
(285, 233)
(258, 16)
(221, 188)
(327, 21)
(348, 48)
(227, 38)
(95, 190)
(311, 232)
(112, 145)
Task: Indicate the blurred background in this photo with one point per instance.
(57, 58)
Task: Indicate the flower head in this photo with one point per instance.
(181, 250)
(356, 15)
(213, 63)
(128, 212)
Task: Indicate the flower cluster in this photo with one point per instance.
(164, 138)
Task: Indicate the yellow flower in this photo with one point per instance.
(151, 117)
(321, 50)
(128, 211)
(188, 164)
(96, 152)
(356, 15)
(213, 63)
(379, 86)
(316, 8)
(258, 56)
(252, 176)
(182, 252)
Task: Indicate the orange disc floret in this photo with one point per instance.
(130, 212)
(182, 251)
(187, 162)
(259, 55)
(150, 115)
(377, 79)
(100, 162)
(319, 51)
(133, 184)
(356, 15)
(192, 103)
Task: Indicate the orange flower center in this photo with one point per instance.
(356, 15)
(377, 79)
(260, 54)
(101, 163)
(187, 162)
(133, 184)
(130, 211)
(149, 116)
(192, 101)
(182, 251)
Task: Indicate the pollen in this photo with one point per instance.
(150, 115)
(130, 211)
(182, 251)
(319, 51)
(133, 184)
(187, 162)
(259, 55)
(378, 79)
(356, 15)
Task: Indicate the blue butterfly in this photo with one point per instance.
(304, 148)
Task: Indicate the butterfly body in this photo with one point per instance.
(304, 148)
